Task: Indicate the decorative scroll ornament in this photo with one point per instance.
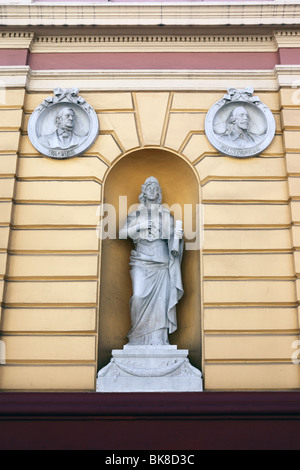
(64, 125)
(240, 125)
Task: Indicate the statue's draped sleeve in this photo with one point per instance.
(129, 228)
(176, 290)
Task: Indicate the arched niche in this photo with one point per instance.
(180, 186)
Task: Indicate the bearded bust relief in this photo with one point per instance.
(240, 125)
(238, 130)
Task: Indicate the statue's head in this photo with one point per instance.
(65, 119)
(151, 191)
(239, 120)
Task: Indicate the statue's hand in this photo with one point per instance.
(146, 225)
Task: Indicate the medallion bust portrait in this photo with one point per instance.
(240, 125)
(63, 126)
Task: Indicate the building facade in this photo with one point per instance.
(151, 71)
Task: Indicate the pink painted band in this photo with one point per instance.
(13, 57)
(151, 60)
(155, 61)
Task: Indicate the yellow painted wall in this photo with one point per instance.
(240, 314)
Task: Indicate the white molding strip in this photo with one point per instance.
(279, 12)
(136, 80)
(98, 80)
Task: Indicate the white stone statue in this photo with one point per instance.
(155, 268)
(148, 363)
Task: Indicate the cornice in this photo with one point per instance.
(16, 40)
(287, 39)
(282, 12)
(152, 43)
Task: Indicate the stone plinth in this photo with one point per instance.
(149, 369)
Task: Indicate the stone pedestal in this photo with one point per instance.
(149, 369)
